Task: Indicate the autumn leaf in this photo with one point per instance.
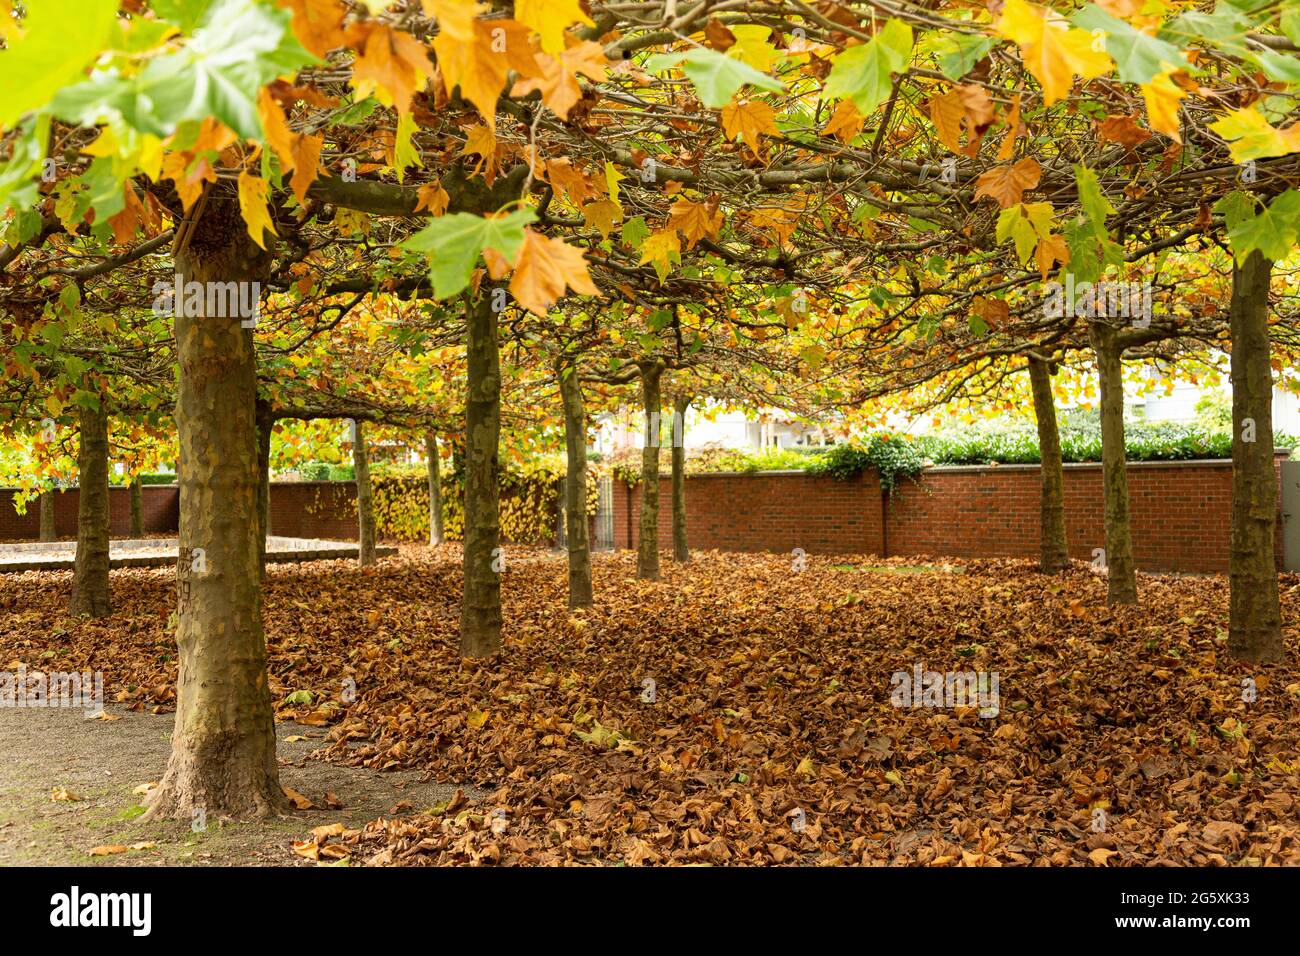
(253, 191)
(306, 163)
(947, 111)
(602, 216)
(550, 18)
(392, 66)
(432, 199)
(1162, 96)
(845, 123)
(1050, 49)
(1007, 184)
(748, 119)
(558, 78)
(318, 24)
(275, 127)
(480, 68)
(1123, 130)
(545, 267)
(695, 221)
(661, 250)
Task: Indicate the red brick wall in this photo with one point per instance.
(764, 512)
(161, 511)
(314, 509)
(311, 509)
(1181, 513)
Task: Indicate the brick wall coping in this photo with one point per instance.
(958, 469)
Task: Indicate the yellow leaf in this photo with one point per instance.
(1162, 97)
(275, 127)
(549, 19)
(253, 192)
(1050, 49)
(1253, 137)
(455, 17)
(845, 123)
(544, 268)
(111, 849)
(747, 119)
(392, 65)
(480, 68)
(477, 718)
(558, 79)
(947, 110)
(695, 220)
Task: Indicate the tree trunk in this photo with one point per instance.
(1254, 614)
(90, 590)
(265, 415)
(480, 615)
(647, 558)
(1053, 553)
(575, 487)
(365, 497)
(436, 534)
(223, 745)
(1121, 573)
(137, 509)
(46, 502)
(681, 548)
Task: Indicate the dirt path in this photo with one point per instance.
(102, 762)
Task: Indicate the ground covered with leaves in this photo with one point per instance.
(739, 711)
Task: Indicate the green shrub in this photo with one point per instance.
(315, 471)
(892, 456)
(342, 473)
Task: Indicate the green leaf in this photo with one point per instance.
(959, 53)
(1273, 231)
(240, 46)
(1137, 55)
(60, 38)
(1094, 203)
(17, 177)
(455, 242)
(716, 77)
(862, 73)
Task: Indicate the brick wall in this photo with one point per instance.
(773, 511)
(314, 509)
(161, 512)
(309, 509)
(1180, 512)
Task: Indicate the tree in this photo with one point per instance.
(90, 584)
(1254, 612)
(365, 498)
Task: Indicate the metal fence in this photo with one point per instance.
(602, 538)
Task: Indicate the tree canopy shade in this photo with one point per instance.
(320, 208)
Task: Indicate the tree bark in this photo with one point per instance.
(1254, 613)
(90, 588)
(137, 509)
(681, 547)
(365, 496)
(436, 533)
(575, 486)
(265, 415)
(647, 558)
(46, 503)
(1053, 551)
(1121, 573)
(480, 616)
(223, 745)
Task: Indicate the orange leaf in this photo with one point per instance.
(544, 268)
(1007, 184)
